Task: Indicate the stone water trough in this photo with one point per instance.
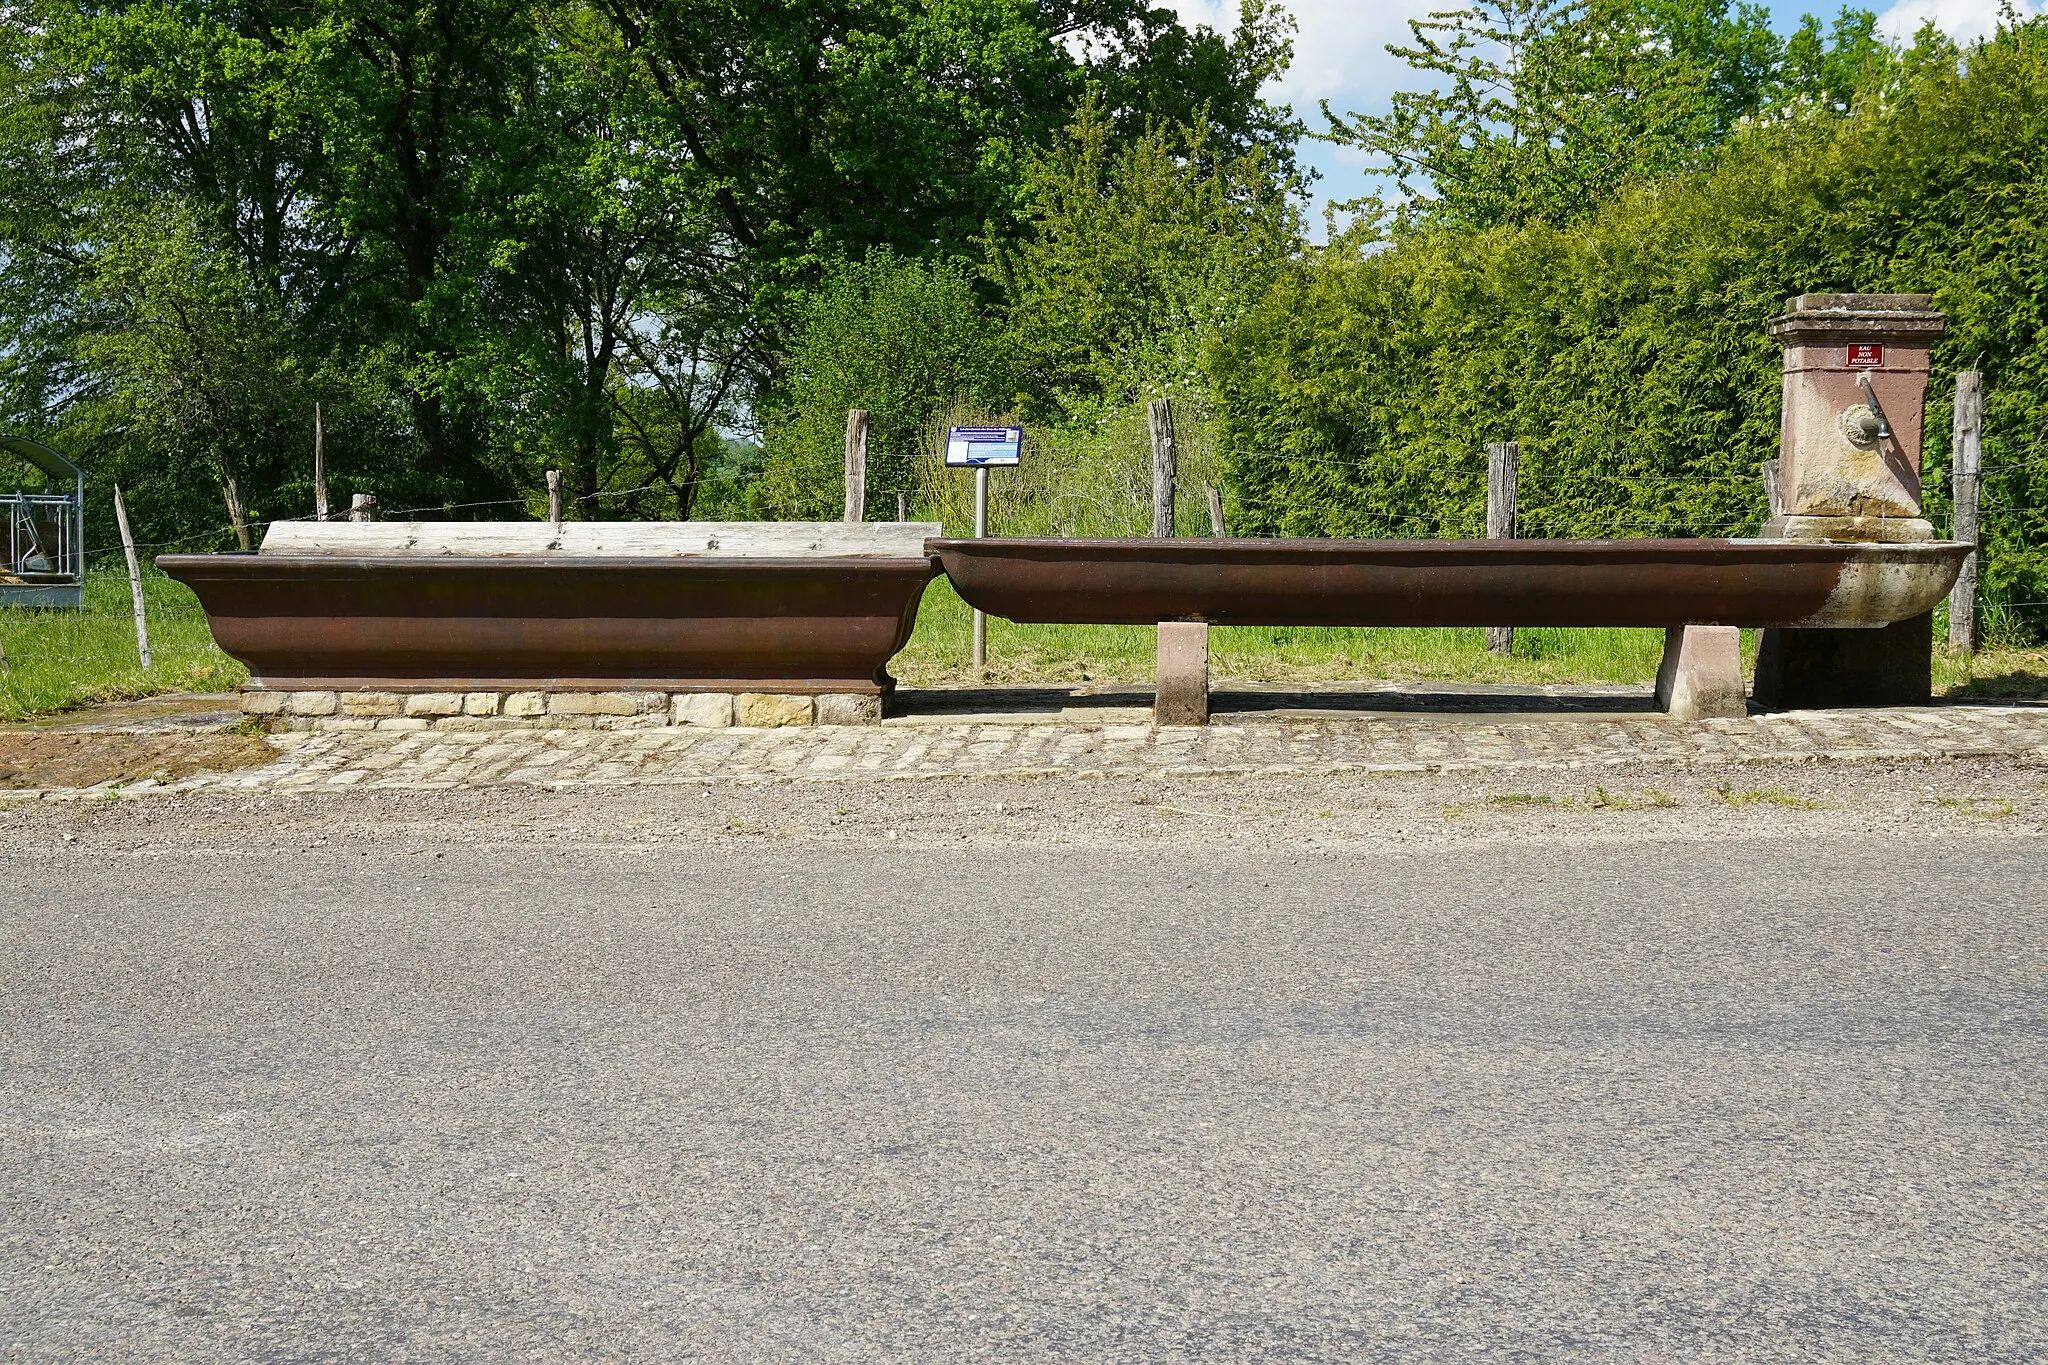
(1700, 591)
(483, 625)
(1451, 582)
(1842, 585)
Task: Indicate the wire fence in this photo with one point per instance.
(1531, 523)
(214, 534)
(1543, 522)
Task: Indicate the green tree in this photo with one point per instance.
(1540, 110)
(491, 237)
(421, 120)
(626, 336)
(203, 129)
(1141, 255)
(1148, 70)
(1628, 351)
(903, 339)
(821, 129)
(189, 353)
(1830, 71)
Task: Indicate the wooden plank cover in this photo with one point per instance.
(603, 539)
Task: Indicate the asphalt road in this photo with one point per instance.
(1757, 1097)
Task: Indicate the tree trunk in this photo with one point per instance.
(433, 433)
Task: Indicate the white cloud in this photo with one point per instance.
(1339, 49)
(1340, 54)
(1962, 20)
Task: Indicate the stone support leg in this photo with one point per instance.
(1183, 695)
(1800, 670)
(1701, 676)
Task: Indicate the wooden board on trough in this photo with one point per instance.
(602, 539)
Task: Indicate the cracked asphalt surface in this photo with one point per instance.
(1675, 1068)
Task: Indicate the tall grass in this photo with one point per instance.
(938, 652)
(56, 660)
(1088, 476)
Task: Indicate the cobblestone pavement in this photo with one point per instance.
(1252, 746)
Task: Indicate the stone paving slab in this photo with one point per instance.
(425, 760)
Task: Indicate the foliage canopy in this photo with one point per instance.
(1627, 350)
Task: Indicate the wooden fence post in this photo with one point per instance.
(238, 515)
(1967, 479)
(134, 579)
(319, 467)
(1160, 413)
(1503, 461)
(856, 464)
(363, 507)
(902, 506)
(1774, 496)
(1216, 513)
(555, 499)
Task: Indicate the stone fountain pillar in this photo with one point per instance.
(1855, 399)
(1849, 470)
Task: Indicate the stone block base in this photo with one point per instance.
(1701, 676)
(1799, 670)
(335, 710)
(1850, 530)
(1183, 679)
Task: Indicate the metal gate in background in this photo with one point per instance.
(44, 544)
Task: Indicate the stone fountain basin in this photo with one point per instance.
(787, 608)
(1751, 583)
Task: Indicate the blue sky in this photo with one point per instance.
(1339, 53)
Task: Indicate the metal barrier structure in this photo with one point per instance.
(479, 624)
(482, 624)
(44, 563)
(1700, 591)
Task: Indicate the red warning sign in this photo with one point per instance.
(1865, 355)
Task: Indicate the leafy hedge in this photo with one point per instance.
(1628, 354)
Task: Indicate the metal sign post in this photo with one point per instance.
(980, 531)
(980, 449)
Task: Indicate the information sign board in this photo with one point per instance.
(1865, 355)
(981, 447)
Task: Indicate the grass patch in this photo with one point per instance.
(1598, 799)
(1995, 674)
(1651, 799)
(1727, 795)
(1991, 807)
(940, 648)
(58, 660)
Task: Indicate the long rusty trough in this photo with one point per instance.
(795, 609)
(1450, 582)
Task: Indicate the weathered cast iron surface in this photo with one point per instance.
(798, 625)
(1450, 582)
